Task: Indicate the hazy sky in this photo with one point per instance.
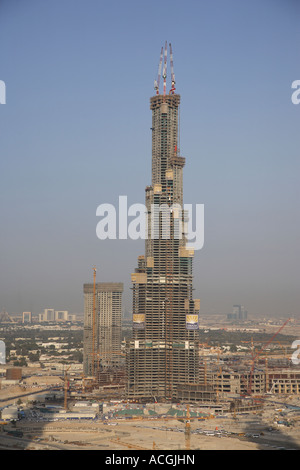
(75, 133)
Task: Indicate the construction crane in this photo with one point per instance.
(218, 383)
(156, 82)
(94, 319)
(163, 58)
(252, 344)
(165, 68)
(188, 428)
(284, 350)
(127, 444)
(65, 379)
(205, 372)
(172, 71)
(258, 354)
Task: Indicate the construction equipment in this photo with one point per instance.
(205, 372)
(285, 353)
(66, 386)
(94, 319)
(218, 383)
(127, 444)
(165, 69)
(156, 82)
(188, 419)
(163, 55)
(172, 91)
(188, 428)
(254, 357)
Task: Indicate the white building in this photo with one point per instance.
(61, 315)
(10, 413)
(51, 315)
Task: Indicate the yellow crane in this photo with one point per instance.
(65, 379)
(127, 444)
(205, 371)
(188, 428)
(218, 383)
(66, 389)
(94, 319)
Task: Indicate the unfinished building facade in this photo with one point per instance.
(102, 328)
(164, 350)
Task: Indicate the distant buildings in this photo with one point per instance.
(61, 315)
(238, 313)
(27, 317)
(51, 315)
(5, 318)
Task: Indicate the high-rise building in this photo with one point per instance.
(49, 314)
(239, 312)
(27, 317)
(61, 315)
(163, 353)
(102, 327)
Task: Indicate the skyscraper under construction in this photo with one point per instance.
(102, 329)
(163, 354)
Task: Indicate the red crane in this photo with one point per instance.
(259, 352)
(156, 82)
(172, 71)
(163, 57)
(165, 68)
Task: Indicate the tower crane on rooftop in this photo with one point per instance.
(163, 58)
(165, 68)
(172, 71)
(156, 82)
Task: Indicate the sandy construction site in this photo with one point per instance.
(242, 433)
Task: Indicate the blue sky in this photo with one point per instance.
(75, 133)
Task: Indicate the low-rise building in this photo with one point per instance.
(11, 413)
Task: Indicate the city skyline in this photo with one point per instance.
(76, 73)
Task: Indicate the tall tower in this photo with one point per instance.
(102, 328)
(164, 351)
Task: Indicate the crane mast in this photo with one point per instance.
(156, 82)
(172, 71)
(163, 58)
(165, 68)
(94, 319)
